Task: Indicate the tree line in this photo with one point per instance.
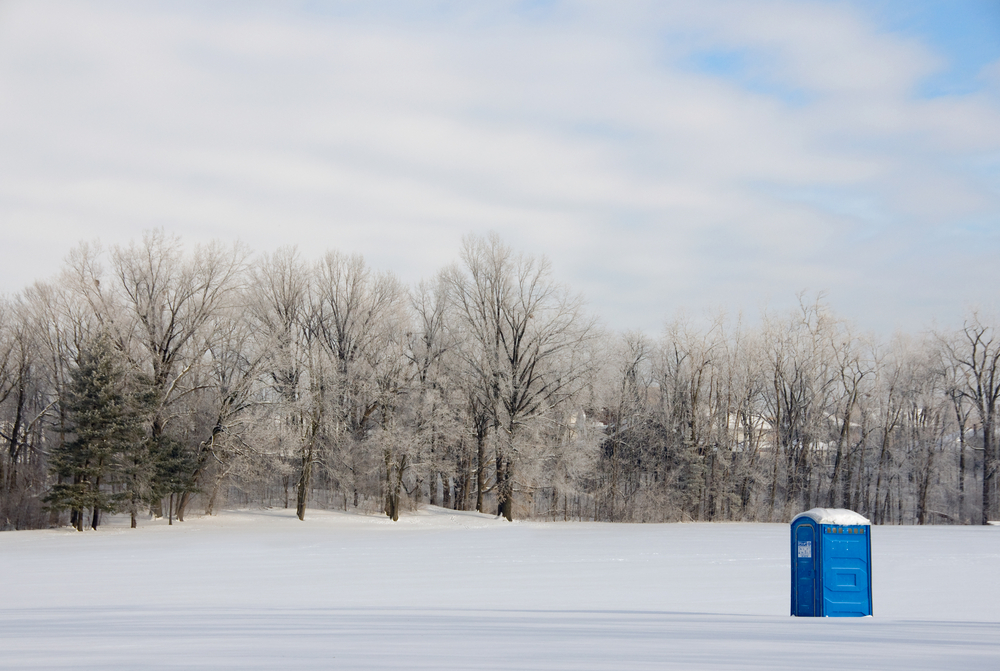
(152, 379)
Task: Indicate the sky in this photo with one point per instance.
(667, 157)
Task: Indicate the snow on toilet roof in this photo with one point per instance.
(834, 516)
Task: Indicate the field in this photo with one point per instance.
(447, 590)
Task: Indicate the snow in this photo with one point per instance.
(440, 589)
(839, 516)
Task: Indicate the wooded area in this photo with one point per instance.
(152, 379)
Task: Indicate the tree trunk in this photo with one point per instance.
(12, 448)
(95, 518)
(831, 497)
(989, 468)
(463, 467)
(848, 479)
(133, 510)
(210, 506)
(445, 490)
(925, 483)
(394, 485)
(480, 468)
(302, 493)
(182, 501)
(961, 475)
(881, 504)
(505, 489)
(776, 455)
(391, 507)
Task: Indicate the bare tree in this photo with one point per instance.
(802, 380)
(18, 368)
(228, 399)
(850, 369)
(975, 353)
(435, 400)
(954, 383)
(519, 330)
(279, 304)
(628, 404)
(360, 322)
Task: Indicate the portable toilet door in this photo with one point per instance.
(805, 567)
(831, 564)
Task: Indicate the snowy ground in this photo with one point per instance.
(445, 590)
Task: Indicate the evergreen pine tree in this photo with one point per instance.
(107, 410)
(135, 465)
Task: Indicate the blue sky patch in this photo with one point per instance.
(965, 33)
(746, 69)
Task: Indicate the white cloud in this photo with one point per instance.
(585, 134)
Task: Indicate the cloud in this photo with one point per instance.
(663, 155)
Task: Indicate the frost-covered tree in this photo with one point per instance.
(975, 354)
(157, 303)
(481, 389)
(522, 338)
(360, 324)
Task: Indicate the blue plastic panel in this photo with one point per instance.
(846, 570)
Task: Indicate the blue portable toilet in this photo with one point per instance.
(831, 564)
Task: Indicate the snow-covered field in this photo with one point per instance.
(446, 590)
